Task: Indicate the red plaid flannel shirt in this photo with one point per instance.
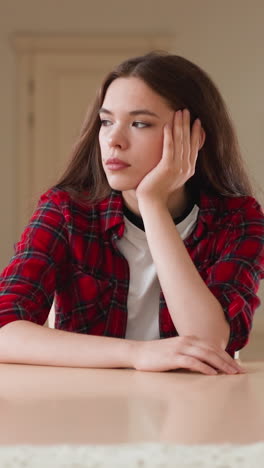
(70, 250)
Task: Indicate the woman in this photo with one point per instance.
(152, 232)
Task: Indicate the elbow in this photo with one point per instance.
(220, 336)
(224, 338)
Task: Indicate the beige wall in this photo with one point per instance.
(226, 38)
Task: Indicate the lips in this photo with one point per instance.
(116, 164)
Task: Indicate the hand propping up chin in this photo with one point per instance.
(178, 160)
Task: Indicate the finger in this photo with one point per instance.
(186, 139)
(222, 354)
(195, 142)
(229, 361)
(214, 359)
(168, 145)
(188, 362)
(178, 136)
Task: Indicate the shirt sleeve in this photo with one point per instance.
(28, 283)
(235, 276)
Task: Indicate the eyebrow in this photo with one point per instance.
(134, 112)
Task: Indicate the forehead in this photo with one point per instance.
(132, 91)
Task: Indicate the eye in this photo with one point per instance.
(138, 124)
(105, 122)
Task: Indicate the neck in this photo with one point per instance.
(177, 202)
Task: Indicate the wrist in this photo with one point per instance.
(148, 202)
(133, 353)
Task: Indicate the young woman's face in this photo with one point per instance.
(131, 134)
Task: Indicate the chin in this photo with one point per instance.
(121, 185)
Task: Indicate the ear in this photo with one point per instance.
(202, 138)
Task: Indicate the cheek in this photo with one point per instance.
(101, 140)
(103, 135)
(154, 150)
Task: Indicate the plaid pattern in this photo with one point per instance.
(69, 250)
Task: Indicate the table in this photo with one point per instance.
(42, 405)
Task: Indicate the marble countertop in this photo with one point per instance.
(143, 455)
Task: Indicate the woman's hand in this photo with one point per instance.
(177, 164)
(183, 352)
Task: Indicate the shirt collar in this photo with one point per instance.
(111, 212)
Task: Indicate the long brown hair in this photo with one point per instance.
(219, 169)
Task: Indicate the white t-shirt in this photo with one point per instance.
(144, 287)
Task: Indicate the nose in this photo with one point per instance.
(117, 139)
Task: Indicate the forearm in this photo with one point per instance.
(193, 308)
(24, 342)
